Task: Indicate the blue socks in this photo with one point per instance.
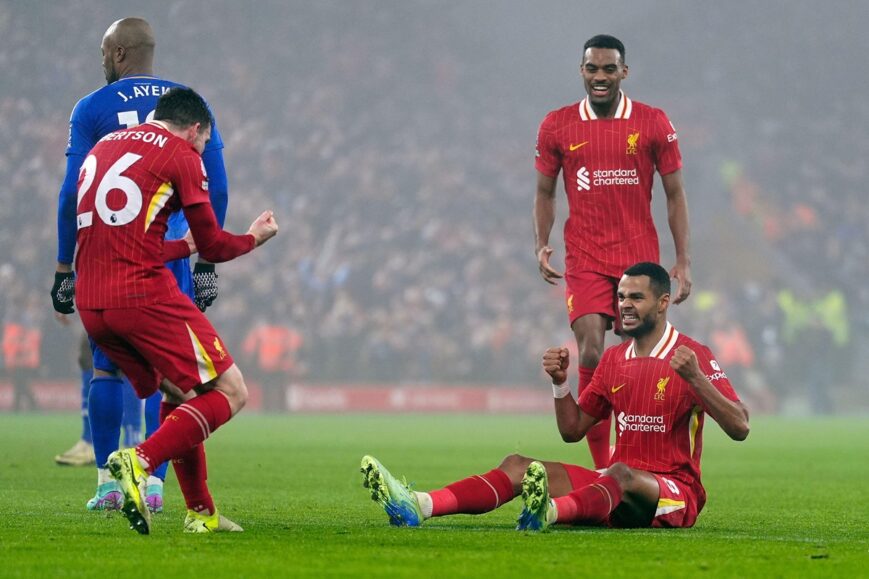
(86, 377)
(105, 410)
(112, 405)
(152, 423)
(131, 427)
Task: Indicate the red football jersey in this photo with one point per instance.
(659, 418)
(129, 184)
(608, 167)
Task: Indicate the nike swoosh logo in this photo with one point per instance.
(575, 147)
(617, 388)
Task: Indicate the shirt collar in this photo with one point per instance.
(623, 109)
(662, 348)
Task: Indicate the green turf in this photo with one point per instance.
(790, 501)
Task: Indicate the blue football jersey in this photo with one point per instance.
(126, 103)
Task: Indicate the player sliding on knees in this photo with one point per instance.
(660, 385)
(132, 307)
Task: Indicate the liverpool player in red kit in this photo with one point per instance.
(131, 305)
(660, 385)
(607, 148)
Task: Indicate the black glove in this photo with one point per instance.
(204, 285)
(63, 292)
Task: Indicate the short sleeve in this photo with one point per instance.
(668, 158)
(716, 375)
(547, 154)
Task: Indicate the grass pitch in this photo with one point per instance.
(793, 500)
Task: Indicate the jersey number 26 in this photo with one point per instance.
(112, 180)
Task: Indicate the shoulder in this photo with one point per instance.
(561, 115)
(653, 114)
(90, 102)
(645, 110)
(700, 349)
(615, 353)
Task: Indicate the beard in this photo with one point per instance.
(644, 327)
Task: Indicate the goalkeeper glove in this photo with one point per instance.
(204, 285)
(63, 292)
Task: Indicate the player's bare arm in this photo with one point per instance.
(572, 422)
(544, 218)
(731, 416)
(677, 216)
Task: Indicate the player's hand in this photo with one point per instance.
(549, 275)
(684, 362)
(264, 227)
(555, 363)
(681, 272)
(204, 285)
(63, 292)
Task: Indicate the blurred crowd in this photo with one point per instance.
(404, 190)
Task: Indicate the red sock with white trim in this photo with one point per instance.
(185, 427)
(591, 504)
(473, 495)
(191, 471)
(598, 436)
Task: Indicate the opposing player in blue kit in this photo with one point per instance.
(128, 100)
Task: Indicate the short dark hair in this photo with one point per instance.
(182, 107)
(659, 279)
(605, 41)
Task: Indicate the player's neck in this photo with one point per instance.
(606, 111)
(137, 71)
(643, 345)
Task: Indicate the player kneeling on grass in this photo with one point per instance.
(131, 305)
(659, 386)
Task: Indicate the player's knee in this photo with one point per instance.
(590, 353)
(515, 465)
(241, 395)
(589, 331)
(622, 473)
(231, 384)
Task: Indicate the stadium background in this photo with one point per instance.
(394, 140)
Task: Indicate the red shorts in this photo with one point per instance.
(587, 292)
(172, 339)
(678, 504)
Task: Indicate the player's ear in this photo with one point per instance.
(193, 131)
(663, 302)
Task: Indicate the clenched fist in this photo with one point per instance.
(555, 363)
(684, 362)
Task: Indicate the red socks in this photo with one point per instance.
(185, 427)
(598, 436)
(591, 504)
(473, 495)
(191, 471)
